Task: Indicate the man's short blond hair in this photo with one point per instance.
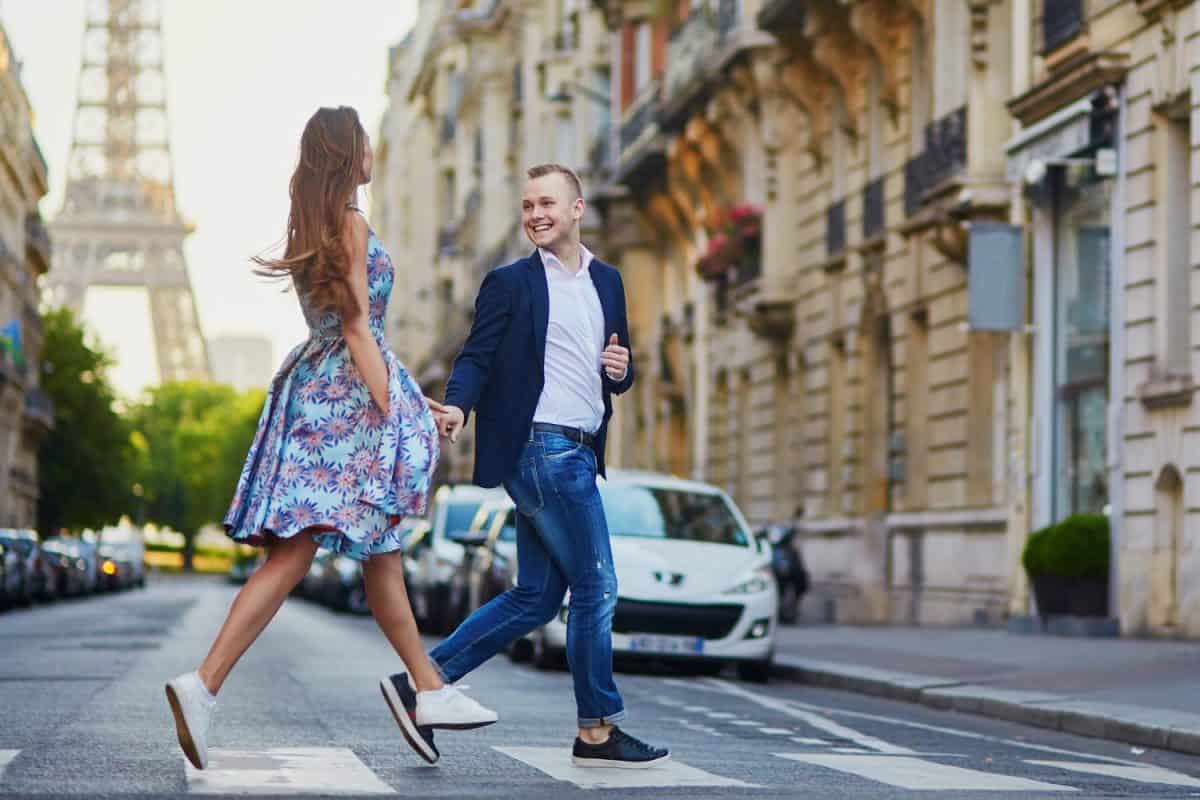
(549, 169)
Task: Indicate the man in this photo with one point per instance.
(548, 348)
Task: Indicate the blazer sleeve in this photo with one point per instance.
(622, 331)
(493, 309)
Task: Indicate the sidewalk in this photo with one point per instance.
(1144, 692)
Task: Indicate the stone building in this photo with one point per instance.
(820, 209)
(26, 413)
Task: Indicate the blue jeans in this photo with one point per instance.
(562, 542)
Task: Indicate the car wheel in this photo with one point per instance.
(520, 650)
(546, 657)
(754, 671)
(356, 600)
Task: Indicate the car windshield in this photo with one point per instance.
(460, 515)
(653, 513)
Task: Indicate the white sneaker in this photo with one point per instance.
(193, 708)
(450, 708)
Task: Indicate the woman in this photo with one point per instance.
(346, 446)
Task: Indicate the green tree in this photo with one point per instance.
(192, 439)
(84, 464)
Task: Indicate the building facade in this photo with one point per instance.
(26, 413)
(820, 210)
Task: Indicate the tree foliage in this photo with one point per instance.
(191, 440)
(85, 462)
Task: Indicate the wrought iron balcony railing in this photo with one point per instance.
(729, 14)
(873, 211)
(687, 53)
(1062, 21)
(945, 154)
(600, 154)
(39, 406)
(643, 115)
(37, 237)
(835, 228)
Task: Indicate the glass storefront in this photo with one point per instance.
(1082, 297)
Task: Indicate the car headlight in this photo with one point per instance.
(759, 580)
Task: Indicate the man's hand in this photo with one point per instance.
(450, 422)
(615, 359)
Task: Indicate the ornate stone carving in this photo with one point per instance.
(844, 58)
(886, 28)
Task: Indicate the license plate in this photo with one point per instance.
(649, 643)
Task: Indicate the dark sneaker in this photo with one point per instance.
(402, 701)
(620, 750)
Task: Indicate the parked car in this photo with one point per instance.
(787, 562)
(70, 568)
(122, 546)
(38, 577)
(246, 560)
(342, 586)
(438, 556)
(693, 583)
(11, 577)
(488, 560)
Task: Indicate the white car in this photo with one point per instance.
(693, 582)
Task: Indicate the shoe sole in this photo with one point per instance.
(461, 726)
(613, 764)
(181, 729)
(407, 727)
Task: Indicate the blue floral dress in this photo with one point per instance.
(324, 456)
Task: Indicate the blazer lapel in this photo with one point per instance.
(605, 300)
(539, 291)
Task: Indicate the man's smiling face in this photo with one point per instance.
(550, 210)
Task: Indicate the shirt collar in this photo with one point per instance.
(585, 261)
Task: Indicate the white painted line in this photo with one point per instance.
(775, 731)
(918, 774)
(721, 714)
(694, 709)
(556, 762)
(285, 771)
(849, 750)
(6, 758)
(1147, 773)
(723, 687)
(806, 740)
(746, 723)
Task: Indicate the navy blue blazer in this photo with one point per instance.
(501, 370)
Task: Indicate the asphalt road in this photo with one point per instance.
(82, 714)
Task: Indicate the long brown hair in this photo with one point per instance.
(327, 176)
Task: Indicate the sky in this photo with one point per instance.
(243, 76)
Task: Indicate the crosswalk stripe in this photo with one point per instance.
(775, 731)
(1147, 773)
(6, 758)
(556, 762)
(285, 771)
(721, 714)
(808, 740)
(918, 774)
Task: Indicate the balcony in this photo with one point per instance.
(640, 148)
(39, 409)
(600, 153)
(1062, 21)
(945, 155)
(873, 210)
(782, 17)
(687, 53)
(729, 16)
(37, 242)
(835, 228)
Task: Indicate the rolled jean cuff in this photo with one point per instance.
(598, 722)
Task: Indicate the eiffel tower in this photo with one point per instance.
(118, 225)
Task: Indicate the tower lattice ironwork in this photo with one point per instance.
(119, 225)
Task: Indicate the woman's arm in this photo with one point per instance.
(364, 350)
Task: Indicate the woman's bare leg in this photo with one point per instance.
(388, 599)
(287, 562)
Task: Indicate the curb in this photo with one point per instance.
(1135, 725)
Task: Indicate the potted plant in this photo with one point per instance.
(734, 236)
(1068, 564)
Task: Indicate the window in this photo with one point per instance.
(1177, 244)
(641, 56)
(653, 513)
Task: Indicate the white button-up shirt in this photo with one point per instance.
(573, 390)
